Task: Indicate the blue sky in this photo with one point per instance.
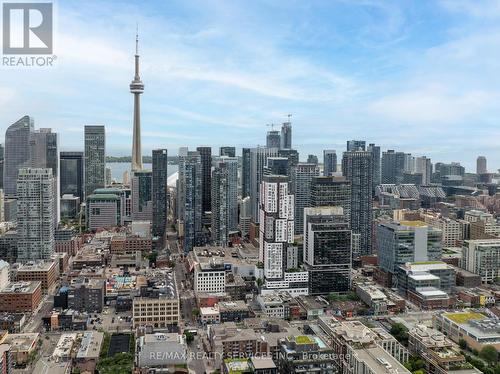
(416, 76)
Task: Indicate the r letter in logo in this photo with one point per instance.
(27, 28)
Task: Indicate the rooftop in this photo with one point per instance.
(464, 317)
(21, 287)
(22, 342)
(90, 346)
(35, 266)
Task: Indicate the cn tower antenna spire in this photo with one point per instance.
(137, 88)
(137, 38)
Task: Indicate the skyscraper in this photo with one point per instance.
(393, 167)
(273, 139)
(137, 88)
(206, 171)
(286, 135)
(291, 154)
(17, 152)
(190, 199)
(258, 161)
(302, 176)
(227, 151)
(2, 152)
(224, 199)
(481, 167)
(357, 167)
(375, 150)
(423, 166)
(329, 162)
(35, 214)
(332, 191)
(312, 159)
(276, 237)
(95, 158)
(356, 145)
(245, 172)
(142, 195)
(277, 166)
(160, 191)
(71, 176)
(327, 250)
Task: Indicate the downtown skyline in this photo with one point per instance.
(384, 79)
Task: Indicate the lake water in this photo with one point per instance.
(118, 168)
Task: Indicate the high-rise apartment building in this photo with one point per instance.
(482, 257)
(312, 159)
(142, 195)
(277, 166)
(95, 158)
(302, 176)
(258, 161)
(227, 151)
(329, 162)
(481, 167)
(273, 139)
(286, 135)
(423, 165)
(393, 167)
(206, 174)
(245, 216)
(327, 250)
(245, 172)
(17, 152)
(224, 199)
(190, 199)
(356, 145)
(71, 176)
(277, 253)
(2, 159)
(35, 214)
(160, 191)
(357, 167)
(332, 191)
(375, 150)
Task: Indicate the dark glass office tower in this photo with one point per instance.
(327, 250)
(71, 164)
(332, 191)
(95, 158)
(1, 165)
(227, 151)
(357, 167)
(356, 145)
(273, 139)
(160, 191)
(206, 172)
(245, 172)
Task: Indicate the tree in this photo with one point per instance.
(259, 282)
(189, 336)
(489, 354)
(462, 343)
(400, 332)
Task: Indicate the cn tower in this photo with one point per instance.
(137, 88)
